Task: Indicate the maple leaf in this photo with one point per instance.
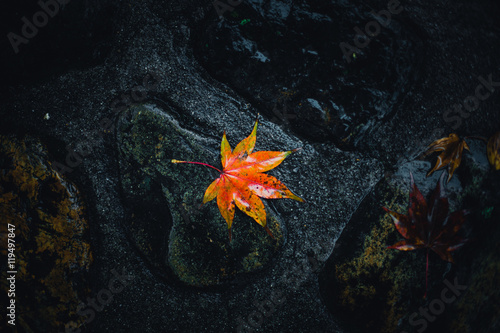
(428, 225)
(493, 150)
(242, 181)
(452, 148)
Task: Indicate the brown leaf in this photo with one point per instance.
(452, 148)
(493, 150)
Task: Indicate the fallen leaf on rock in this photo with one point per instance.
(452, 148)
(242, 180)
(428, 225)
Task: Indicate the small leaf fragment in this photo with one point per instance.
(493, 150)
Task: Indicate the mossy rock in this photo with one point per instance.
(372, 288)
(364, 283)
(184, 242)
(52, 241)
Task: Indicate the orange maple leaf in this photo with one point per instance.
(242, 180)
(452, 148)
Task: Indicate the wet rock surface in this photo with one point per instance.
(284, 57)
(165, 80)
(48, 250)
(373, 288)
(167, 223)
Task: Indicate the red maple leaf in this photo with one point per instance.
(428, 225)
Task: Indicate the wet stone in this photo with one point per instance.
(52, 241)
(372, 288)
(184, 242)
(285, 59)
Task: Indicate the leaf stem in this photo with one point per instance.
(200, 163)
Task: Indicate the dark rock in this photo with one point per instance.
(167, 223)
(372, 288)
(351, 118)
(43, 217)
(287, 61)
